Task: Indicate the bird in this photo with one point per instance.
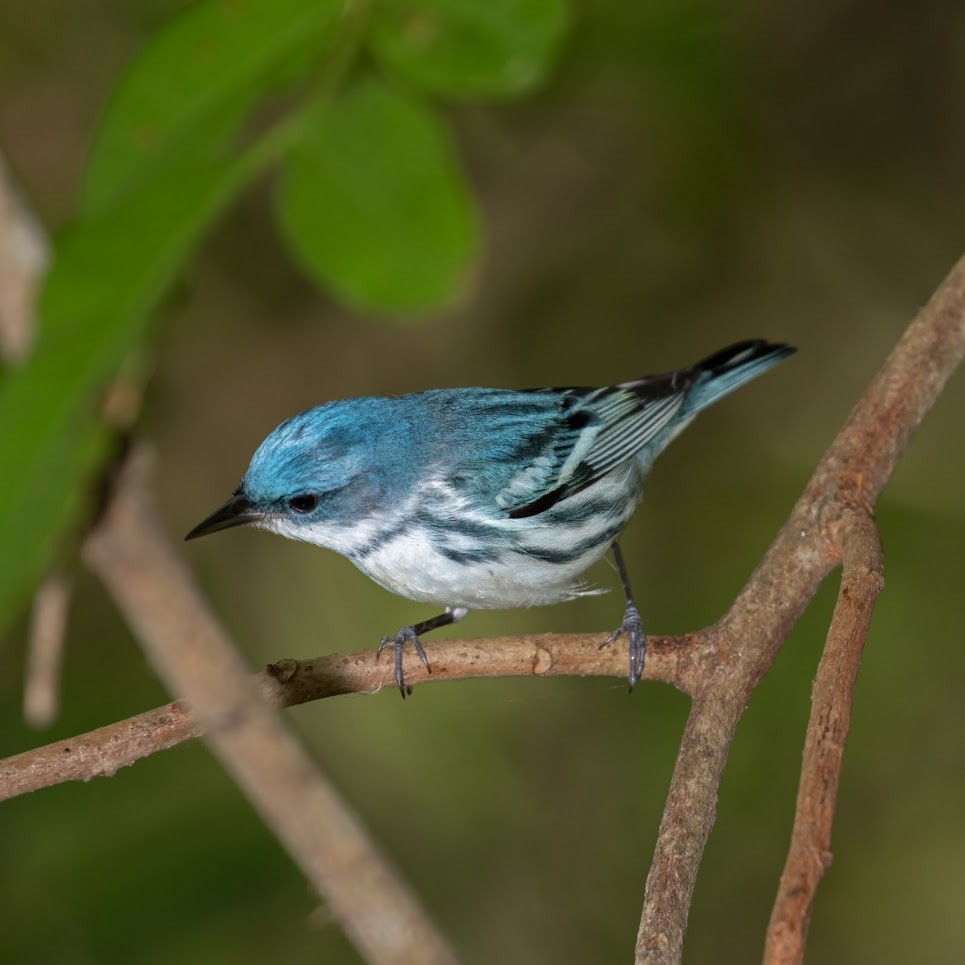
(480, 498)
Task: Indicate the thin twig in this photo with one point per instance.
(45, 650)
(831, 696)
(193, 655)
(102, 752)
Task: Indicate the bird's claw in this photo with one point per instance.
(632, 627)
(402, 637)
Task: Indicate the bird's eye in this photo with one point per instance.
(304, 503)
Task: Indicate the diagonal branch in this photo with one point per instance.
(848, 480)
(191, 653)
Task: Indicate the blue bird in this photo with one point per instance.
(480, 498)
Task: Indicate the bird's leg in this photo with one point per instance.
(411, 635)
(631, 625)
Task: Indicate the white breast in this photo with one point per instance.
(525, 562)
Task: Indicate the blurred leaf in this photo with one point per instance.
(168, 158)
(374, 205)
(108, 272)
(195, 79)
(464, 48)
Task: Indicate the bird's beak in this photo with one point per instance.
(236, 512)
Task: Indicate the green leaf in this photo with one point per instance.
(470, 48)
(168, 158)
(374, 205)
(107, 274)
(196, 78)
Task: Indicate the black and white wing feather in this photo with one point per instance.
(596, 431)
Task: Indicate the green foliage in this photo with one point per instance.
(193, 83)
(374, 204)
(463, 48)
(386, 225)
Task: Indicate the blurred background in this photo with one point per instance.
(692, 174)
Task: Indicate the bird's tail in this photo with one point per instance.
(731, 367)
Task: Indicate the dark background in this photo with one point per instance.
(694, 173)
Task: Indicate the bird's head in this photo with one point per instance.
(314, 474)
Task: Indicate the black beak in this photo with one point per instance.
(236, 512)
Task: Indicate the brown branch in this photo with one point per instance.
(810, 852)
(193, 655)
(743, 644)
(102, 752)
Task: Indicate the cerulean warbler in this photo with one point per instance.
(479, 498)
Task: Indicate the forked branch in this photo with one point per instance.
(824, 527)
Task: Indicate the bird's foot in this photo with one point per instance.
(404, 636)
(633, 629)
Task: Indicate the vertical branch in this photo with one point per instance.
(688, 819)
(48, 631)
(831, 697)
(194, 656)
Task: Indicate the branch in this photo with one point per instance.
(847, 481)
(810, 851)
(45, 650)
(193, 655)
(102, 752)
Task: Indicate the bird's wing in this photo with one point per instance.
(592, 432)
